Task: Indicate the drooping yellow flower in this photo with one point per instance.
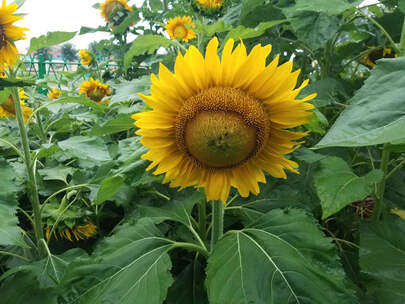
(179, 27)
(210, 3)
(8, 34)
(85, 57)
(374, 53)
(79, 232)
(110, 8)
(94, 89)
(221, 123)
(54, 94)
(7, 108)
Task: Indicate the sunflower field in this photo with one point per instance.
(221, 152)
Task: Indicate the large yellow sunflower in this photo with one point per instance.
(7, 108)
(210, 3)
(94, 89)
(111, 7)
(8, 34)
(179, 27)
(77, 233)
(221, 123)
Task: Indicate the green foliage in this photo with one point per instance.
(92, 148)
(51, 38)
(338, 186)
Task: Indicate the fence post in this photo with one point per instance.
(41, 72)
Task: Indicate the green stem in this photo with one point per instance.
(32, 184)
(217, 220)
(191, 246)
(40, 127)
(402, 42)
(396, 168)
(16, 150)
(381, 185)
(393, 44)
(15, 255)
(202, 219)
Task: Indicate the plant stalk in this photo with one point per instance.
(381, 185)
(32, 184)
(217, 220)
(202, 219)
(402, 42)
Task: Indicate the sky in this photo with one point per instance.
(68, 15)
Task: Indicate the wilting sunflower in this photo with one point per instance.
(54, 94)
(209, 3)
(85, 57)
(77, 233)
(95, 90)
(374, 53)
(110, 8)
(7, 108)
(8, 34)
(179, 27)
(221, 123)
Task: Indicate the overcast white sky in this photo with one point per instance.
(67, 15)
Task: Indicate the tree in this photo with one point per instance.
(69, 52)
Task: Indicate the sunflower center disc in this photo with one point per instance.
(96, 94)
(221, 127)
(180, 31)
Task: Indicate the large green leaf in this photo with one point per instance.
(145, 44)
(284, 258)
(108, 187)
(79, 100)
(129, 90)
(382, 259)
(86, 147)
(121, 122)
(330, 7)
(132, 18)
(376, 112)
(51, 38)
(337, 186)
(132, 265)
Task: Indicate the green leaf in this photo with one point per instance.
(401, 5)
(179, 211)
(131, 264)
(156, 5)
(5, 82)
(284, 258)
(121, 122)
(59, 172)
(8, 185)
(108, 187)
(376, 112)
(314, 29)
(10, 232)
(242, 32)
(128, 90)
(211, 29)
(331, 7)
(188, 287)
(337, 186)
(145, 44)
(86, 30)
(382, 256)
(318, 122)
(92, 148)
(132, 18)
(51, 38)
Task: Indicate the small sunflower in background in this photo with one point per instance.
(374, 53)
(9, 33)
(110, 11)
(218, 124)
(95, 90)
(7, 108)
(85, 57)
(180, 28)
(210, 3)
(54, 94)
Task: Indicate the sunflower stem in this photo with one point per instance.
(202, 219)
(32, 184)
(381, 185)
(217, 220)
(402, 42)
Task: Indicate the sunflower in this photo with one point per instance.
(221, 123)
(374, 53)
(179, 27)
(94, 89)
(110, 8)
(210, 3)
(79, 232)
(85, 57)
(8, 34)
(7, 108)
(54, 94)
